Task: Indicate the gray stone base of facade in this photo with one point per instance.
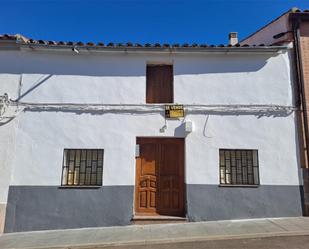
(212, 202)
(31, 208)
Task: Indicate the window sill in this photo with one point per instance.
(238, 186)
(79, 187)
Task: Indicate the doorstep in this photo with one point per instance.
(157, 219)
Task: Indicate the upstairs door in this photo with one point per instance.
(159, 188)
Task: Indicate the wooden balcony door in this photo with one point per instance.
(159, 187)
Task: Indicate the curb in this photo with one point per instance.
(172, 240)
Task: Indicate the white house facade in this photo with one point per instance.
(85, 140)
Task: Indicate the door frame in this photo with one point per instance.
(183, 172)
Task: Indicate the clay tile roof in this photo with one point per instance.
(7, 37)
(19, 39)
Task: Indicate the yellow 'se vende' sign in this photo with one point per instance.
(174, 111)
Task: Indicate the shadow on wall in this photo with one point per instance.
(127, 64)
(40, 82)
(180, 131)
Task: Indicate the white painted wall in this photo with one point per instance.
(42, 136)
(120, 78)
(9, 83)
(7, 151)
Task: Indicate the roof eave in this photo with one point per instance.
(251, 49)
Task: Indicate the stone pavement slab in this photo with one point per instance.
(159, 233)
(279, 242)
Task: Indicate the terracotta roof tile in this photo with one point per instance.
(23, 40)
(7, 37)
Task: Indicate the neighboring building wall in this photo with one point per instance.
(35, 200)
(304, 46)
(265, 35)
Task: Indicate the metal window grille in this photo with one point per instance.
(239, 167)
(82, 167)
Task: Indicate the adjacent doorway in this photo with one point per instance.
(159, 186)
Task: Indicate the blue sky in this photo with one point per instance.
(169, 21)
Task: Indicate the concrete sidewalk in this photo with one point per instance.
(153, 234)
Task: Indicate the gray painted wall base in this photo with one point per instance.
(211, 202)
(32, 208)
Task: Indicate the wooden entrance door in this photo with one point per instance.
(159, 187)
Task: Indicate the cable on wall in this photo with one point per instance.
(153, 108)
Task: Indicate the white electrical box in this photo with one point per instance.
(188, 126)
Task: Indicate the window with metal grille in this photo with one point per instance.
(239, 167)
(82, 167)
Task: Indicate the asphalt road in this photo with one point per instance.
(287, 242)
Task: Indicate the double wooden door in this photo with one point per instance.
(159, 187)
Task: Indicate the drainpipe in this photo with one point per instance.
(300, 79)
